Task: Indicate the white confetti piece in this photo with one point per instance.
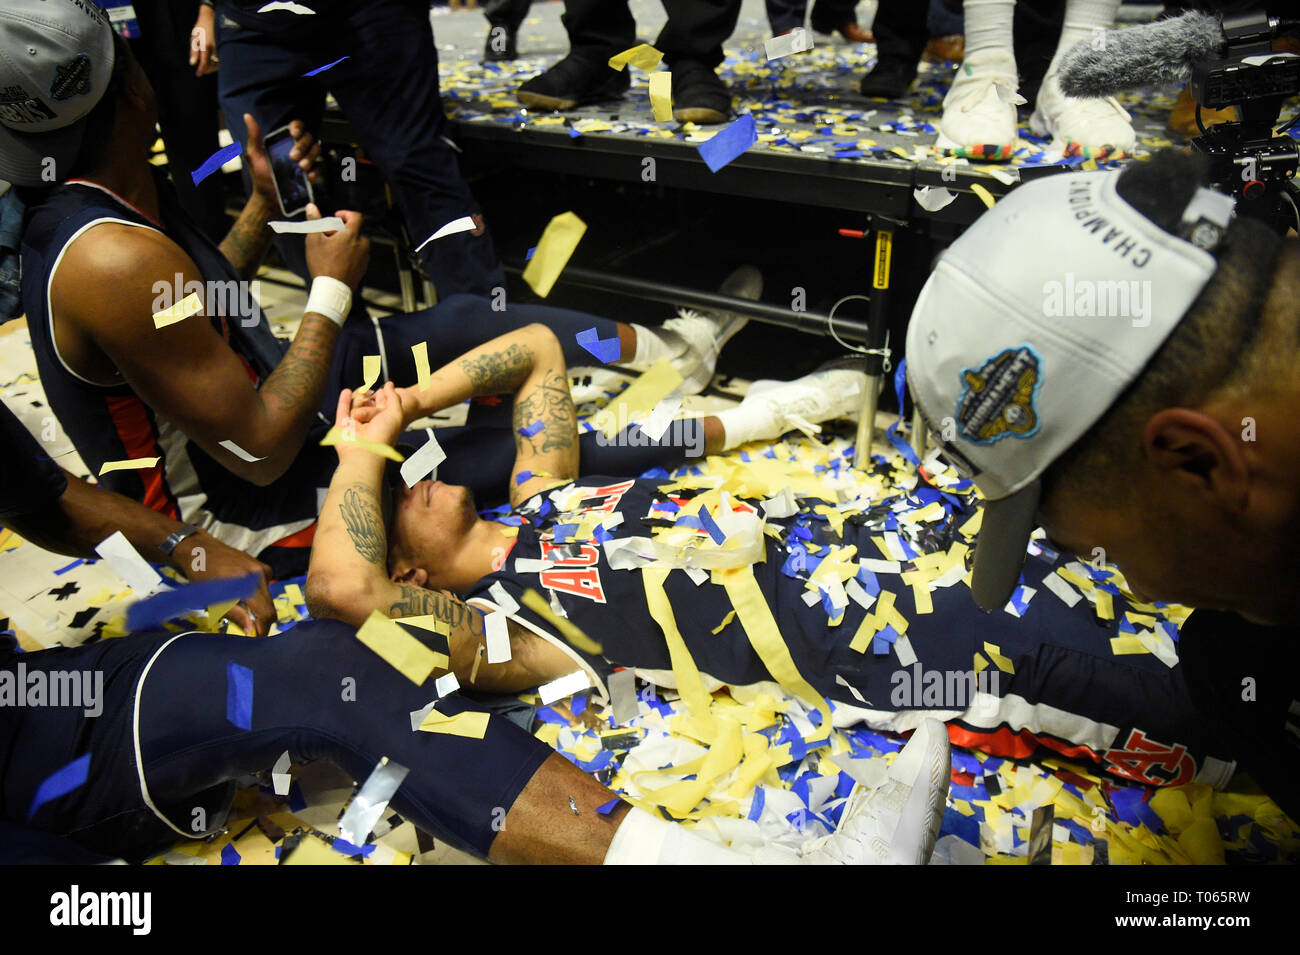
(1062, 589)
(498, 638)
(463, 224)
(280, 777)
(507, 603)
(308, 226)
(563, 687)
(797, 40)
(239, 452)
(423, 462)
(933, 198)
(129, 565)
(446, 685)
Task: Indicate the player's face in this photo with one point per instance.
(430, 521)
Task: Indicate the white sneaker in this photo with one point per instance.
(979, 112)
(898, 822)
(705, 332)
(833, 391)
(1096, 127)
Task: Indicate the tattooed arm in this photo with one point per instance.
(528, 363)
(249, 238)
(348, 579)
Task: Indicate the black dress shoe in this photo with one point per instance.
(888, 79)
(573, 81)
(698, 95)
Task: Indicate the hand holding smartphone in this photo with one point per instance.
(292, 187)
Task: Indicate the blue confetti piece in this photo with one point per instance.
(604, 350)
(523, 476)
(729, 143)
(965, 763)
(239, 696)
(965, 828)
(706, 522)
(153, 611)
(579, 704)
(548, 714)
(562, 532)
(574, 134)
(888, 634)
(756, 804)
(532, 429)
(670, 507)
(60, 783)
(343, 847)
(606, 808)
(322, 69)
(601, 534)
(879, 647)
(215, 162)
(63, 570)
(229, 854)
(529, 254)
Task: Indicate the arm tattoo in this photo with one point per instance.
(364, 522)
(245, 244)
(550, 403)
(497, 373)
(417, 602)
(298, 382)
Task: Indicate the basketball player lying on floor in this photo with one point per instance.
(152, 754)
(1130, 715)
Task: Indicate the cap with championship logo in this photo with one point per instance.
(1032, 324)
(56, 58)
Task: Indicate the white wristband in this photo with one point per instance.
(331, 298)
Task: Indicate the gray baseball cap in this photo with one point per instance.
(1032, 324)
(56, 59)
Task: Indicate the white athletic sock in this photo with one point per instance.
(1082, 17)
(653, 344)
(988, 29)
(748, 421)
(644, 840)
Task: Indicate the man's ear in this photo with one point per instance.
(1184, 444)
(415, 575)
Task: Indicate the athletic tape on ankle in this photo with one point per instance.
(330, 298)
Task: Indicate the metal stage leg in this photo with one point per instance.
(920, 433)
(877, 337)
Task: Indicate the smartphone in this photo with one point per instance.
(292, 187)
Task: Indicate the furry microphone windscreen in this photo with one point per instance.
(1156, 54)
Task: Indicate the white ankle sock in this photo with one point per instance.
(1082, 17)
(988, 28)
(653, 344)
(748, 421)
(643, 839)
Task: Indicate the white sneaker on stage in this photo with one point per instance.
(1096, 127)
(979, 112)
(833, 391)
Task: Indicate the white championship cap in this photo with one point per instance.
(1033, 322)
(56, 59)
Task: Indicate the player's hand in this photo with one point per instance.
(342, 255)
(203, 42)
(253, 614)
(371, 415)
(306, 152)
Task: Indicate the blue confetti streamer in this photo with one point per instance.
(706, 522)
(179, 601)
(60, 783)
(239, 696)
(523, 476)
(729, 143)
(606, 808)
(532, 429)
(604, 350)
(215, 162)
(229, 854)
(322, 69)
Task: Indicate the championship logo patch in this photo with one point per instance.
(998, 400)
(71, 79)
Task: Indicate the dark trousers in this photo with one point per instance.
(388, 90)
(827, 15)
(1243, 678)
(190, 751)
(506, 13)
(187, 106)
(695, 29)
